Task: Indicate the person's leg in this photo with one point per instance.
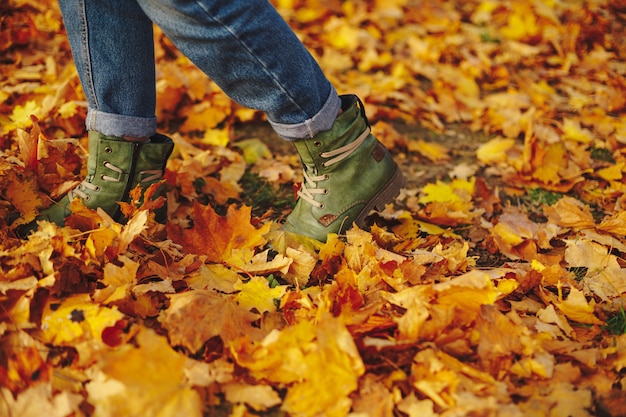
(113, 49)
(247, 48)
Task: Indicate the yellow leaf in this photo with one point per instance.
(615, 223)
(415, 300)
(257, 294)
(143, 380)
(77, 319)
(216, 137)
(507, 234)
(522, 24)
(551, 160)
(441, 192)
(305, 357)
(21, 115)
(613, 172)
(68, 109)
(551, 316)
(433, 151)
(495, 150)
(572, 130)
(467, 292)
(576, 308)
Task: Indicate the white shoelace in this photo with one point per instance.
(153, 175)
(86, 184)
(309, 187)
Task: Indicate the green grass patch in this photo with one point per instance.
(262, 196)
(539, 196)
(617, 323)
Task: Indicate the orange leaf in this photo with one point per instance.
(216, 236)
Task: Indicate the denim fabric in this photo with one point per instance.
(244, 46)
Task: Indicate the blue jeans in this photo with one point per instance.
(244, 46)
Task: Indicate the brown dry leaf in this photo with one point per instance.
(29, 143)
(119, 281)
(569, 212)
(194, 317)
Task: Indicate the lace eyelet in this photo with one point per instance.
(102, 177)
(322, 205)
(87, 198)
(325, 191)
(97, 189)
(317, 143)
(108, 150)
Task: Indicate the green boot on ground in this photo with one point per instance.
(114, 167)
(347, 174)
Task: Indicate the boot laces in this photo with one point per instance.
(152, 175)
(78, 191)
(309, 187)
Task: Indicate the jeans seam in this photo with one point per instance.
(84, 37)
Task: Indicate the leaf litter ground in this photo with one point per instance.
(494, 286)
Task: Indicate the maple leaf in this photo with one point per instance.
(76, 319)
(143, 380)
(306, 357)
(196, 316)
(22, 192)
(256, 293)
(216, 236)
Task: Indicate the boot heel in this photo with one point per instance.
(389, 192)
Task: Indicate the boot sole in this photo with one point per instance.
(385, 196)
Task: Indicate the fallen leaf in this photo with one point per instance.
(194, 317)
(216, 236)
(144, 380)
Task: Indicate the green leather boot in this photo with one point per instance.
(114, 167)
(347, 173)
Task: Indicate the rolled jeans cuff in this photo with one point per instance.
(120, 125)
(320, 122)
